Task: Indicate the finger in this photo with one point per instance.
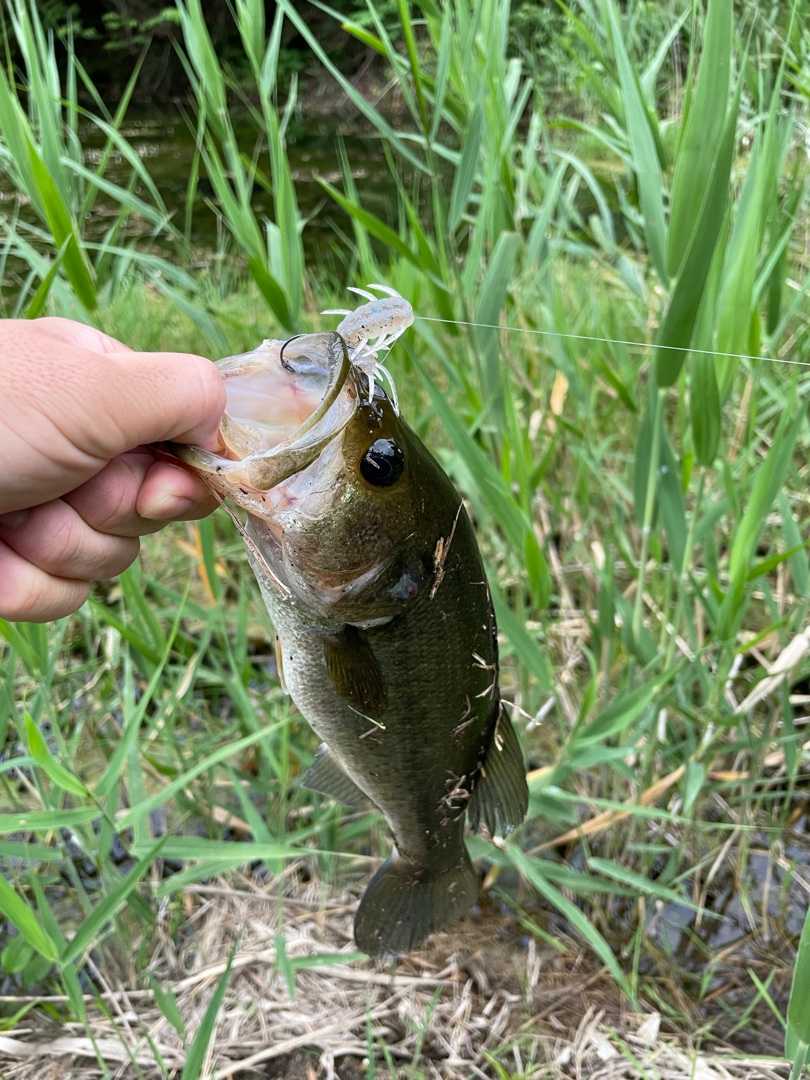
(172, 493)
(73, 408)
(137, 494)
(141, 398)
(108, 501)
(80, 335)
(57, 540)
(28, 594)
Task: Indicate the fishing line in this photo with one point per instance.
(614, 341)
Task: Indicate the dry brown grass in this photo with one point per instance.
(482, 994)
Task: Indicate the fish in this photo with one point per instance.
(386, 638)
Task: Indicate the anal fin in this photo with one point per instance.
(327, 777)
(501, 796)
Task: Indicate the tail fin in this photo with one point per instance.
(404, 903)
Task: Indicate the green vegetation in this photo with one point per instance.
(644, 512)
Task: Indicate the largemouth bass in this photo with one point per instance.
(386, 637)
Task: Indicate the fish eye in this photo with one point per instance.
(383, 463)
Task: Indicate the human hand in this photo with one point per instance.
(79, 483)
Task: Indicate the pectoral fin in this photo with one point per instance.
(327, 777)
(354, 671)
(501, 796)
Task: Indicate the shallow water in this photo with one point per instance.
(165, 143)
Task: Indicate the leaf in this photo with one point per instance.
(45, 820)
(271, 290)
(135, 813)
(36, 305)
(69, 975)
(705, 408)
(167, 1003)
(360, 102)
(207, 541)
(63, 230)
(643, 885)
(701, 130)
(527, 650)
(200, 847)
(531, 870)
(799, 564)
(670, 501)
(204, 322)
(39, 751)
(192, 1067)
(16, 638)
(693, 782)
(645, 467)
(491, 299)
(133, 715)
(645, 155)
(768, 481)
(769, 563)
(486, 486)
(413, 60)
(28, 851)
(372, 224)
(108, 908)
(466, 170)
(798, 1010)
(675, 331)
(23, 916)
(620, 714)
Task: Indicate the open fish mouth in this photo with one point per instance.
(285, 401)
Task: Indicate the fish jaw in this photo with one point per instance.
(285, 401)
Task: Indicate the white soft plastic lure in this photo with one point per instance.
(371, 329)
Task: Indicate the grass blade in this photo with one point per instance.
(466, 170)
(192, 1067)
(642, 143)
(23, 916)
(46, 820)
(39, 751)
(678, 323)
(136, 813)
(371, 114)
(768, 481)
(531, 870)
(701, 130)
(798, 1010)
(104, 912)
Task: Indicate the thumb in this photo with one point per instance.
(143, 398)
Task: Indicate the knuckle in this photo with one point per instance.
(123, 555)
(64, 537)
(113, 503)
(49, 323)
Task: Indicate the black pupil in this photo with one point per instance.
(383, 463)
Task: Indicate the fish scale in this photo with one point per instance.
(371, 573)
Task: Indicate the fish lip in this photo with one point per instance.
(261, 470)
(342, 372)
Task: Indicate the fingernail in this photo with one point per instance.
(14, 519)
(166, 507)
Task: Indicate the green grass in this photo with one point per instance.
(644, 517)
